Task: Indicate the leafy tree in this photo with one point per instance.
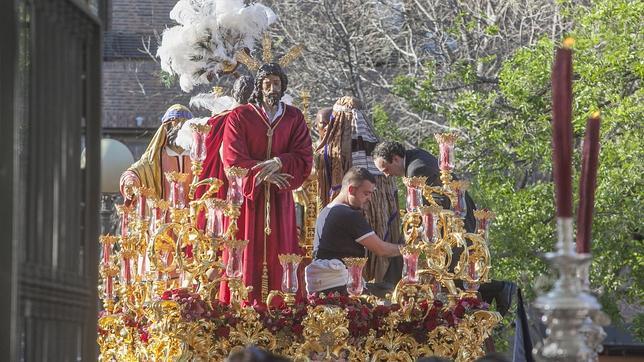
(506, 148)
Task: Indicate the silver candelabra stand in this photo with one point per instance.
(571, 314)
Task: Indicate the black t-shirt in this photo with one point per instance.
(337, 232)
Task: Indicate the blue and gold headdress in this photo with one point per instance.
(176, 111)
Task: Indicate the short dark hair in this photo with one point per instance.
(433, 359)
(493, 357)
(243, 89)
(254, 354)
(356, 176)
(388, 149)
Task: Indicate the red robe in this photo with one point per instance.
(213, 165)
(245, 144)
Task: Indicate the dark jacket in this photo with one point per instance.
(419, 162)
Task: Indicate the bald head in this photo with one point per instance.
(322, 119)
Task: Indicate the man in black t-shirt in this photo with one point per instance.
(342, 231)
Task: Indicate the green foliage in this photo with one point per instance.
(167, 79)
(506, 148)
(385, 129)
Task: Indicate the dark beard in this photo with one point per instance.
(272, 99)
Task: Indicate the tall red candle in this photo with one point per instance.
(562, 128)
(587, 183)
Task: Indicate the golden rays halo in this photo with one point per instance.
(243, 56)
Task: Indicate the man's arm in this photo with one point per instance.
(379, 247)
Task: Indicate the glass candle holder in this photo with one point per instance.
(483, 218)
(436, 286)
(127, 266)
(459, 206)
(177, 182)
(235, 193)
(124, 212)
(143, 194)
(290, 263)
(410, 256)
(198, 148)
(446, 143)
(415, 187)
(107, 242)
(108, 287)
(158, 209)
(354, 267)
(215, 218)
(235, 252)
(473, 275)
(106, 272)
(430, 216)
(143, 265)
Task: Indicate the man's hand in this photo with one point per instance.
(282, 180)
(266, 168)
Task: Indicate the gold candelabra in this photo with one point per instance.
(434, 231)
(161, 279)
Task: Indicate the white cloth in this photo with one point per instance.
(278, 113)
(323, 274)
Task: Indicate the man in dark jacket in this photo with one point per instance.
(392, 159)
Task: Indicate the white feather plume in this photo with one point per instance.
(212, 103)
(184, 137)
(209, 33)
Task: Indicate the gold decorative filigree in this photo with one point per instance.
(349, 262)
(448, 138)
(326, 330)
(392, 345)
(175, 176)
(415, 181)
(236, 171)
(250, 331)
(289, 258)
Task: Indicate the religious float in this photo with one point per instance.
(161, 277)
(160, 280)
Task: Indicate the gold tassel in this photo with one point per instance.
(264, 281)
(267, 215)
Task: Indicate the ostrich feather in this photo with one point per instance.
(212, 103)
(184, 137)
(209, 33)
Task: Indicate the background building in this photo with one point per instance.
(134, 96)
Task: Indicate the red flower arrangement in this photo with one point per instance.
(286, 320)
(141, 325)
(283, 319)
(192, 307)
